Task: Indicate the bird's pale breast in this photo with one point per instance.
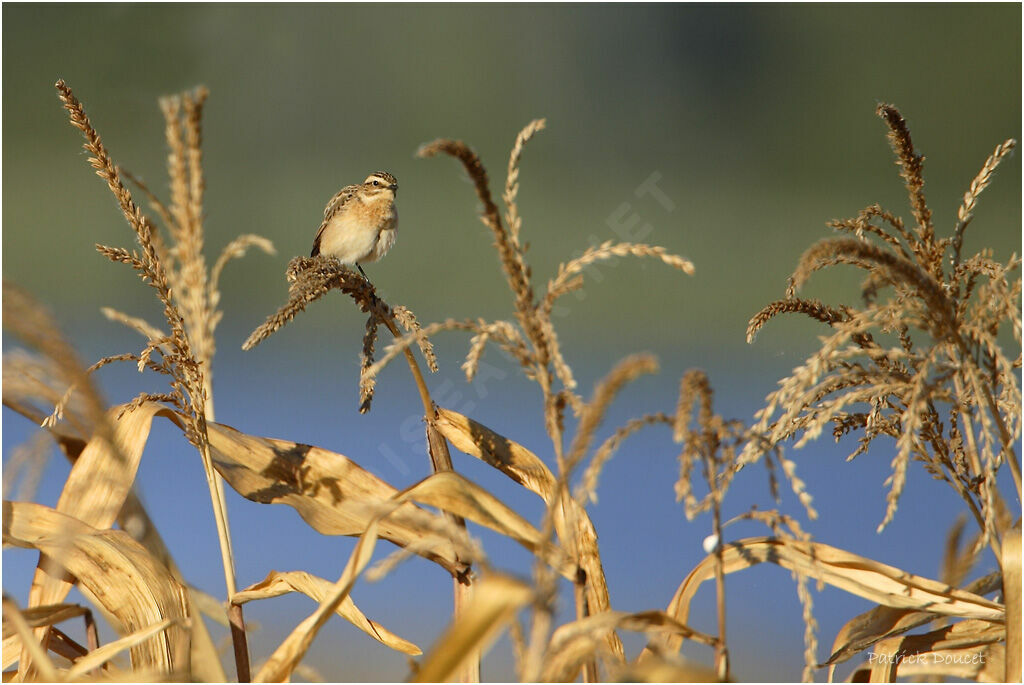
(361, 231)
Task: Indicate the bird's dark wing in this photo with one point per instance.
(333, 207)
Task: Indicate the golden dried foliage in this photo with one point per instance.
(919, 360)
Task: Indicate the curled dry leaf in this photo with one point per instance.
(278, 668)
(100, 481)
(28, 642)
(576, 642)
(34, 618)
(133, 517)
(665, 669)
(131, 588)
(962, 650)
(853, 573)
(329, 491)
(508, 456)
(882, 622)
(100, 656)
(277, 584)
(449, 491)
(527, 469)
(495, 601)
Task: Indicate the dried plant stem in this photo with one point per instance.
(192, 380)
(441, 460)
(721, 648)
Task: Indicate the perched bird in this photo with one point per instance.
(360, 222)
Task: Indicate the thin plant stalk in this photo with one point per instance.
(441, 460)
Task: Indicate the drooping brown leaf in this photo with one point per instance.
(97, 486)
(449, 491)
(277, 584)
(98, 657)
(496, 599)
(508, 456)
(278, 668)
(850, 572)
(883, 622)
(959, 650)
(114, 572)
(573, 643)
(329, 491)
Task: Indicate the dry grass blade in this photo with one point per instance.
(34, 325)
(98, 657)
(46, 616)
(289, 653)
(278, 583)
(133, 518)
(942, 652)
(524, 467)
(574, 643)
(455, 494)
(508, 456)
(850, 572)
(329, 491)
(28, 642)
(665, 669)
(1011, 563)
(97, 486)
(495, 602)
(883, 622)
(130, 587)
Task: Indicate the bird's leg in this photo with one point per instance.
(362, 272)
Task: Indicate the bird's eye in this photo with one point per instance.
(376, 183)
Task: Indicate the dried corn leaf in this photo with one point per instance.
(494, 603)
(573, 525)
(114, 572)
(277, 584)
(278, 668)
(455, 494)
(850, 572)
(133, 518)
(961, 647)
(11, 647)
(29, 642)
(576, 642)
(46, 616)
(660, 669)
(509, 457)
(97, 486)
(329, 491)
(101, 655)
(883, 622)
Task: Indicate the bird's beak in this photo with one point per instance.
(393, 186)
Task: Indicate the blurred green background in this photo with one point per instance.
(756, 121)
